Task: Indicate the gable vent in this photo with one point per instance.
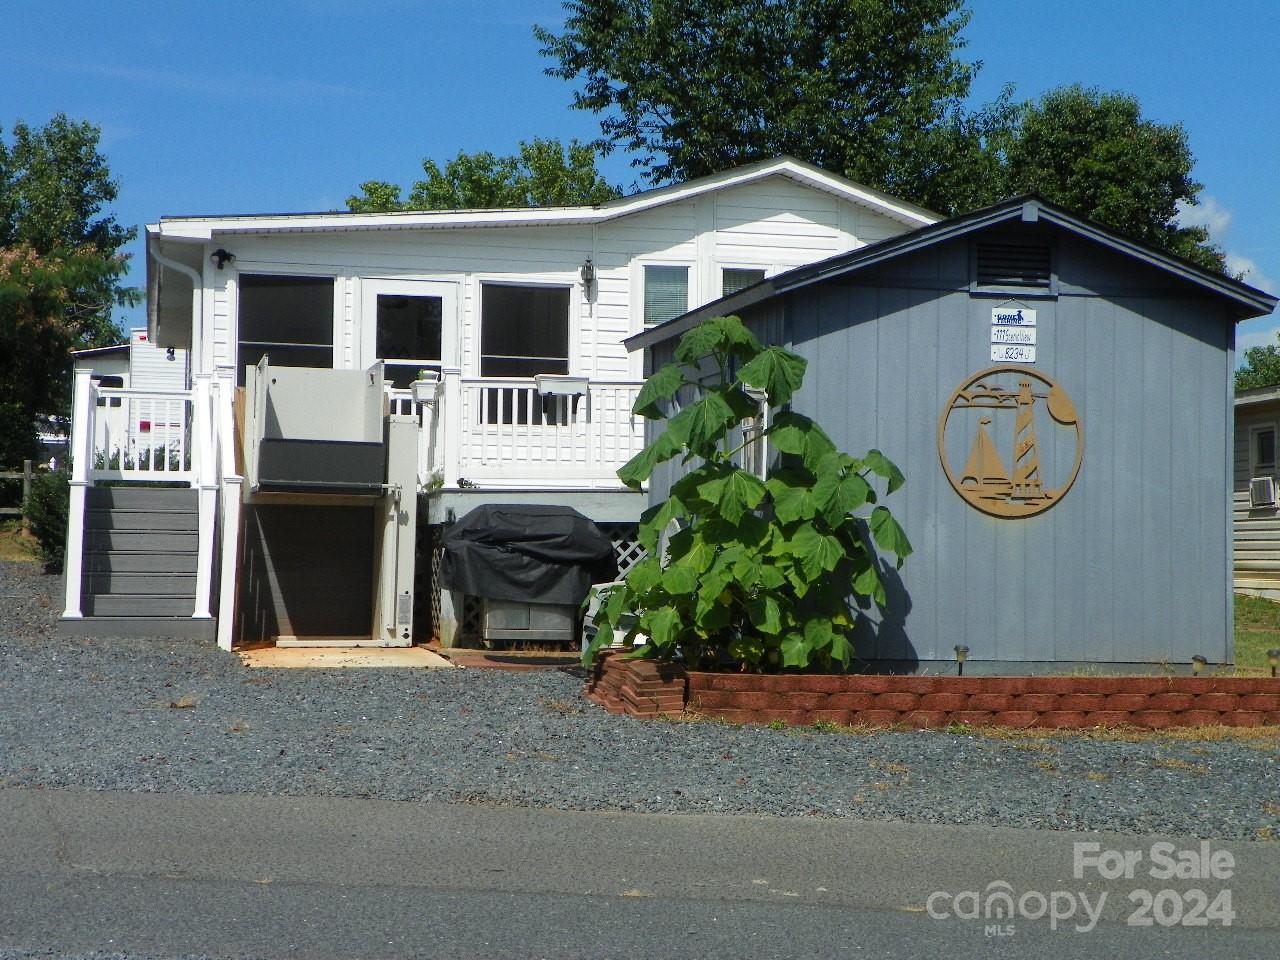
(1013, 265)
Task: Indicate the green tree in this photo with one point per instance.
(760, 572)
(1092, 152)
(543, 174)
(1261, 367)
(863, 88)
(61, 271)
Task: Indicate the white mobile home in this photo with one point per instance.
(357, 380)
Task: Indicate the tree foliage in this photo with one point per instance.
(60, 269)
(544, 173)
(765, 573)
(1092, 152)
(870, 89)
(692, 87)
(1261, 367)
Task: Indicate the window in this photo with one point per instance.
(289, 319)
(1264, 449)
(733, 279)
(524, 331)
(408, 335)
(666, 293)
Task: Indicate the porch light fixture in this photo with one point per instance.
(587, 272)
(221, 256)
(1198, 663)
(962, 654)
(1273, 658)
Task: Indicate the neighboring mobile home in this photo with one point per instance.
(1059, 399)
(1254, 511)
(359, 380)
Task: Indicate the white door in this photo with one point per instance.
(410, 325)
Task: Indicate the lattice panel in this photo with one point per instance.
(626, 545)
(472, 618)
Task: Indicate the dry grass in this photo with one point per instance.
(1097, 776)
(888, 766)
(1263, 738)
(1047, 765)
(16, 545)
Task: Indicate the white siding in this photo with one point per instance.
(774, 224)
(150, 367)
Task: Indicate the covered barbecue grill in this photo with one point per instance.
(532, 565)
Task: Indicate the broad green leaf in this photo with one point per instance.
(888, 535)
(765, 614)
(868, 584)
(640, 467)
(841, 649)
(662, 625)
(602, 639)
(817, 552)
(741, 492)
(776, 371)
(792, 498)
(797, 434)
(658, 389)
(719, 335)
(771, 577)
(840, 495)
(817, 633)
(795, 651)
(645, 575)
(657, 518)
(882, 466)
(704, 422)
(679, 579)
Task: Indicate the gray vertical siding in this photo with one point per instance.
(1129, 566)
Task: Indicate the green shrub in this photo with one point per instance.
(763, 574)
(45, 511)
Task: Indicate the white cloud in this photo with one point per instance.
(1243, 266)
(1255, 338)
(1207, 213)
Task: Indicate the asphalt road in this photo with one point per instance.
(167, 875)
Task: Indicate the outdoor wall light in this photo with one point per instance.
(962, 654)
(1198, 663)
(587, 272)
(221, 256)
(1273, 658)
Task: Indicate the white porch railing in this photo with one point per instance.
(503, 432)
(140, 435)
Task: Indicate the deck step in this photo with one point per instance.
(124, 561)
(142, 521)
(135, 605)
(135, 541)
(176, 627)
(157, 584)
(141, 498)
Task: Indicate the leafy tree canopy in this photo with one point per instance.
(870, 89)
(1093, 152)
(1261, 367)
(543, 174)
(692, 87)
(60, 269)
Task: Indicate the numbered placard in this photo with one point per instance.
(1013, 353)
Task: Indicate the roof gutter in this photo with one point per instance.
(153, 295)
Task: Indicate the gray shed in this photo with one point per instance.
(1059, 399)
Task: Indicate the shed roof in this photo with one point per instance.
(1029, 208)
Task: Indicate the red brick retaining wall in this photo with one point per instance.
(647, 689)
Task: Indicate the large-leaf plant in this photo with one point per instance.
(761, 574)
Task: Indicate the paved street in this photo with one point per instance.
(169, 875)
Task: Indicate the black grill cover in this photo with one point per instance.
(532, 554)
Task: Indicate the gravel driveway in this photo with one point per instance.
(167, 715)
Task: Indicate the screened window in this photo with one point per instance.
(408, 335)
(523, 330)
(734, 279)
(666, 293)
(288, 319)
(1264, 449)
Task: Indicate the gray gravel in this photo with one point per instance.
(99, 714)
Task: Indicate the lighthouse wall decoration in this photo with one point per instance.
(1028, 404)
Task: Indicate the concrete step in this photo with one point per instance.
(141, 498)
(120, 561)
(185, 521)
(159, 541)
(142, 584)
(135, 605)
(182, 627)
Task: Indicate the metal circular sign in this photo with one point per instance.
(1014, 461)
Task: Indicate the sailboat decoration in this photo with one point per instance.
(1019, 489)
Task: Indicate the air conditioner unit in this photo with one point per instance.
(1262, 492)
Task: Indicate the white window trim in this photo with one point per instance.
(637, 285)
(1256, 469)
(770, 269)
(367, 291)
(578, 365)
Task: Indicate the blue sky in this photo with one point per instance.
(235, 107)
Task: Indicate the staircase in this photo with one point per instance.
(139, 578)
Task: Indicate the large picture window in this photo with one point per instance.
(287, 319)
(523, 330)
